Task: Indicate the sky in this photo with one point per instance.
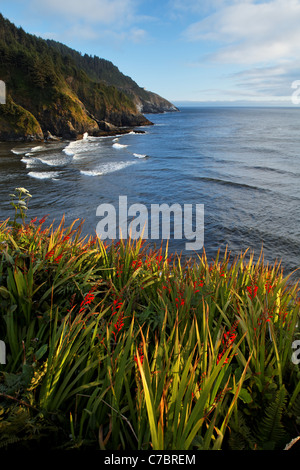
(217, 51)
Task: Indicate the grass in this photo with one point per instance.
(122, 347)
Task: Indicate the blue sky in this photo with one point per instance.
(184, 50)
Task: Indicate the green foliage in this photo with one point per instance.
(124, 347)
(17, 122)
(20, 204)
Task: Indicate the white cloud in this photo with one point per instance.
(91, 11)
(260, 38)
(252, 33)
(112, 22)
(201, 6)
(134, 35)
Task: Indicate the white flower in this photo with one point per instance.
(22, 190)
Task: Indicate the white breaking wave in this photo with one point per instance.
(19, 151)
(119, 146)
(33, 161)
(106, 169)
(55, 160)
(70, 149)
(44, 174)
(91, 172)
(30, 162)
(139, 155)
(51, 162)
(77, 157)
(33, 150)
(79, 146)
(39, 148)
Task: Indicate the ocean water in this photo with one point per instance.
(242, 164)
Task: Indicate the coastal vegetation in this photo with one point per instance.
(122, 346)
(63, 92)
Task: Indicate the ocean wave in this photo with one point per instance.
(44, 175)
(54, 160)
(275, 170)
(29, 162)
(91, 172)
(139, 155)
(70, 149)
(228, 183)
(119, 146)
(19, 151)
(79, 146)
(39, 148)
(106, 169)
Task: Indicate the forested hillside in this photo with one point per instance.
(53, 89)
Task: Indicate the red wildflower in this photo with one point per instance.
(197, 284)
(227, 341)
(268, 287)
(42, 220)
(159, 258)
(49, 254)
(141, 354)
(252, 291)
(136, 264)
(89, 297)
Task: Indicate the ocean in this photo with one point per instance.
(241, 164)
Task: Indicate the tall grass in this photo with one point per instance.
(124, 347)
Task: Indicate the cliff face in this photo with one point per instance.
(153, 103)
(52, 89)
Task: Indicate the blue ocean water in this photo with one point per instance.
(242, 164)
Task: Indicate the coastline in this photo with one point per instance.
(48, 137)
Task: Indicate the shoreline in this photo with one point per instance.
(100, 133)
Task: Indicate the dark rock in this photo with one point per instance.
(48, 136)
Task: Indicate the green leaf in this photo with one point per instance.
(245, 396)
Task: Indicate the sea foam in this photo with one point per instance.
(39, 148)
(106, 169)
(139, 155)
(44, 175)
(119, 146)
(79, 146)
(29, 162)
(19, 151)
